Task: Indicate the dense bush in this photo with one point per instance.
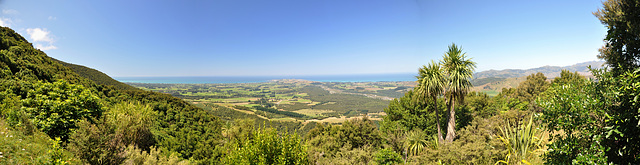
(56, 107)
(351, 142)
(267, 147)
(387, 157)
(136, 156)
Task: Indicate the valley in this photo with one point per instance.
(291, 99)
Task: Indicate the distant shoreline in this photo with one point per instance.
(262, 79)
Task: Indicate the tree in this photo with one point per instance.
(530, 88)
(566, 77)
(600, 118)
(431, 83)
(56, 107)
(577, 109)
(269, 148)
(459, 71)
(622, 43)
(411, 112)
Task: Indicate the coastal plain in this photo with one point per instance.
(291, 99)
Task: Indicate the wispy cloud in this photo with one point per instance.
(48, 47)
(6, 22)
(9, 11)
(52, 18)
(41, 35)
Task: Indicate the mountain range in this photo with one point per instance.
(549, 71)
(493, 81)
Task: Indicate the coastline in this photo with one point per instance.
(262, 79)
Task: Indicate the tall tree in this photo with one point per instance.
(431, 83)
(459, 70)
(622, 43)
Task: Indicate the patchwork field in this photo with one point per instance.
(292, 100)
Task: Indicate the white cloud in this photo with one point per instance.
(37, 34)
(9, 11)
(42, 47)
(41, 35)
(52, 18)
(6, 22)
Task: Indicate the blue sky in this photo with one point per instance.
(304, 37)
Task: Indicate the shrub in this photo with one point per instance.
(55, 107)
(387, 156)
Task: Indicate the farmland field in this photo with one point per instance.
(291, 100)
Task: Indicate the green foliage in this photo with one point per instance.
(388, 157)
(346, 144)
(532, 87)
(567, 77)
(522, 141)
(599, 120)
(21, 62)
(578, 110)
(431, 84)
(56, 107)
(622, 131)
(360, 132)
(459, 70)
(133, 123)
(96, 76)
(622, 44)
(268, 147)
(414, 114)
(394, 135)
(136, 156)
(480, 104)
(16, 147)
(241, 131)
(475, 144)
(39, 92)
(96, 143)
(416, 142)
(183, 128)
(57, 153)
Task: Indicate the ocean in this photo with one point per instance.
(259, 79)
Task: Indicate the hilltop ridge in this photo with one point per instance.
(549, 71)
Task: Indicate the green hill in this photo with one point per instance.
(95, 117)
(96, 76)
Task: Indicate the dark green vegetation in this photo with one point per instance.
(95, 75)
(50, 114)
(57, 113)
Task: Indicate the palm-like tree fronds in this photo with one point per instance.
(431, 83)
(416, 142)
(459, 70)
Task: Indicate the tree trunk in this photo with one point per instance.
(435, 103)
(451, 126)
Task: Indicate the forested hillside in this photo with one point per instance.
(51, 113)
(88, 117)
(95, 76)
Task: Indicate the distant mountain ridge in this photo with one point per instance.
(549, 71)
